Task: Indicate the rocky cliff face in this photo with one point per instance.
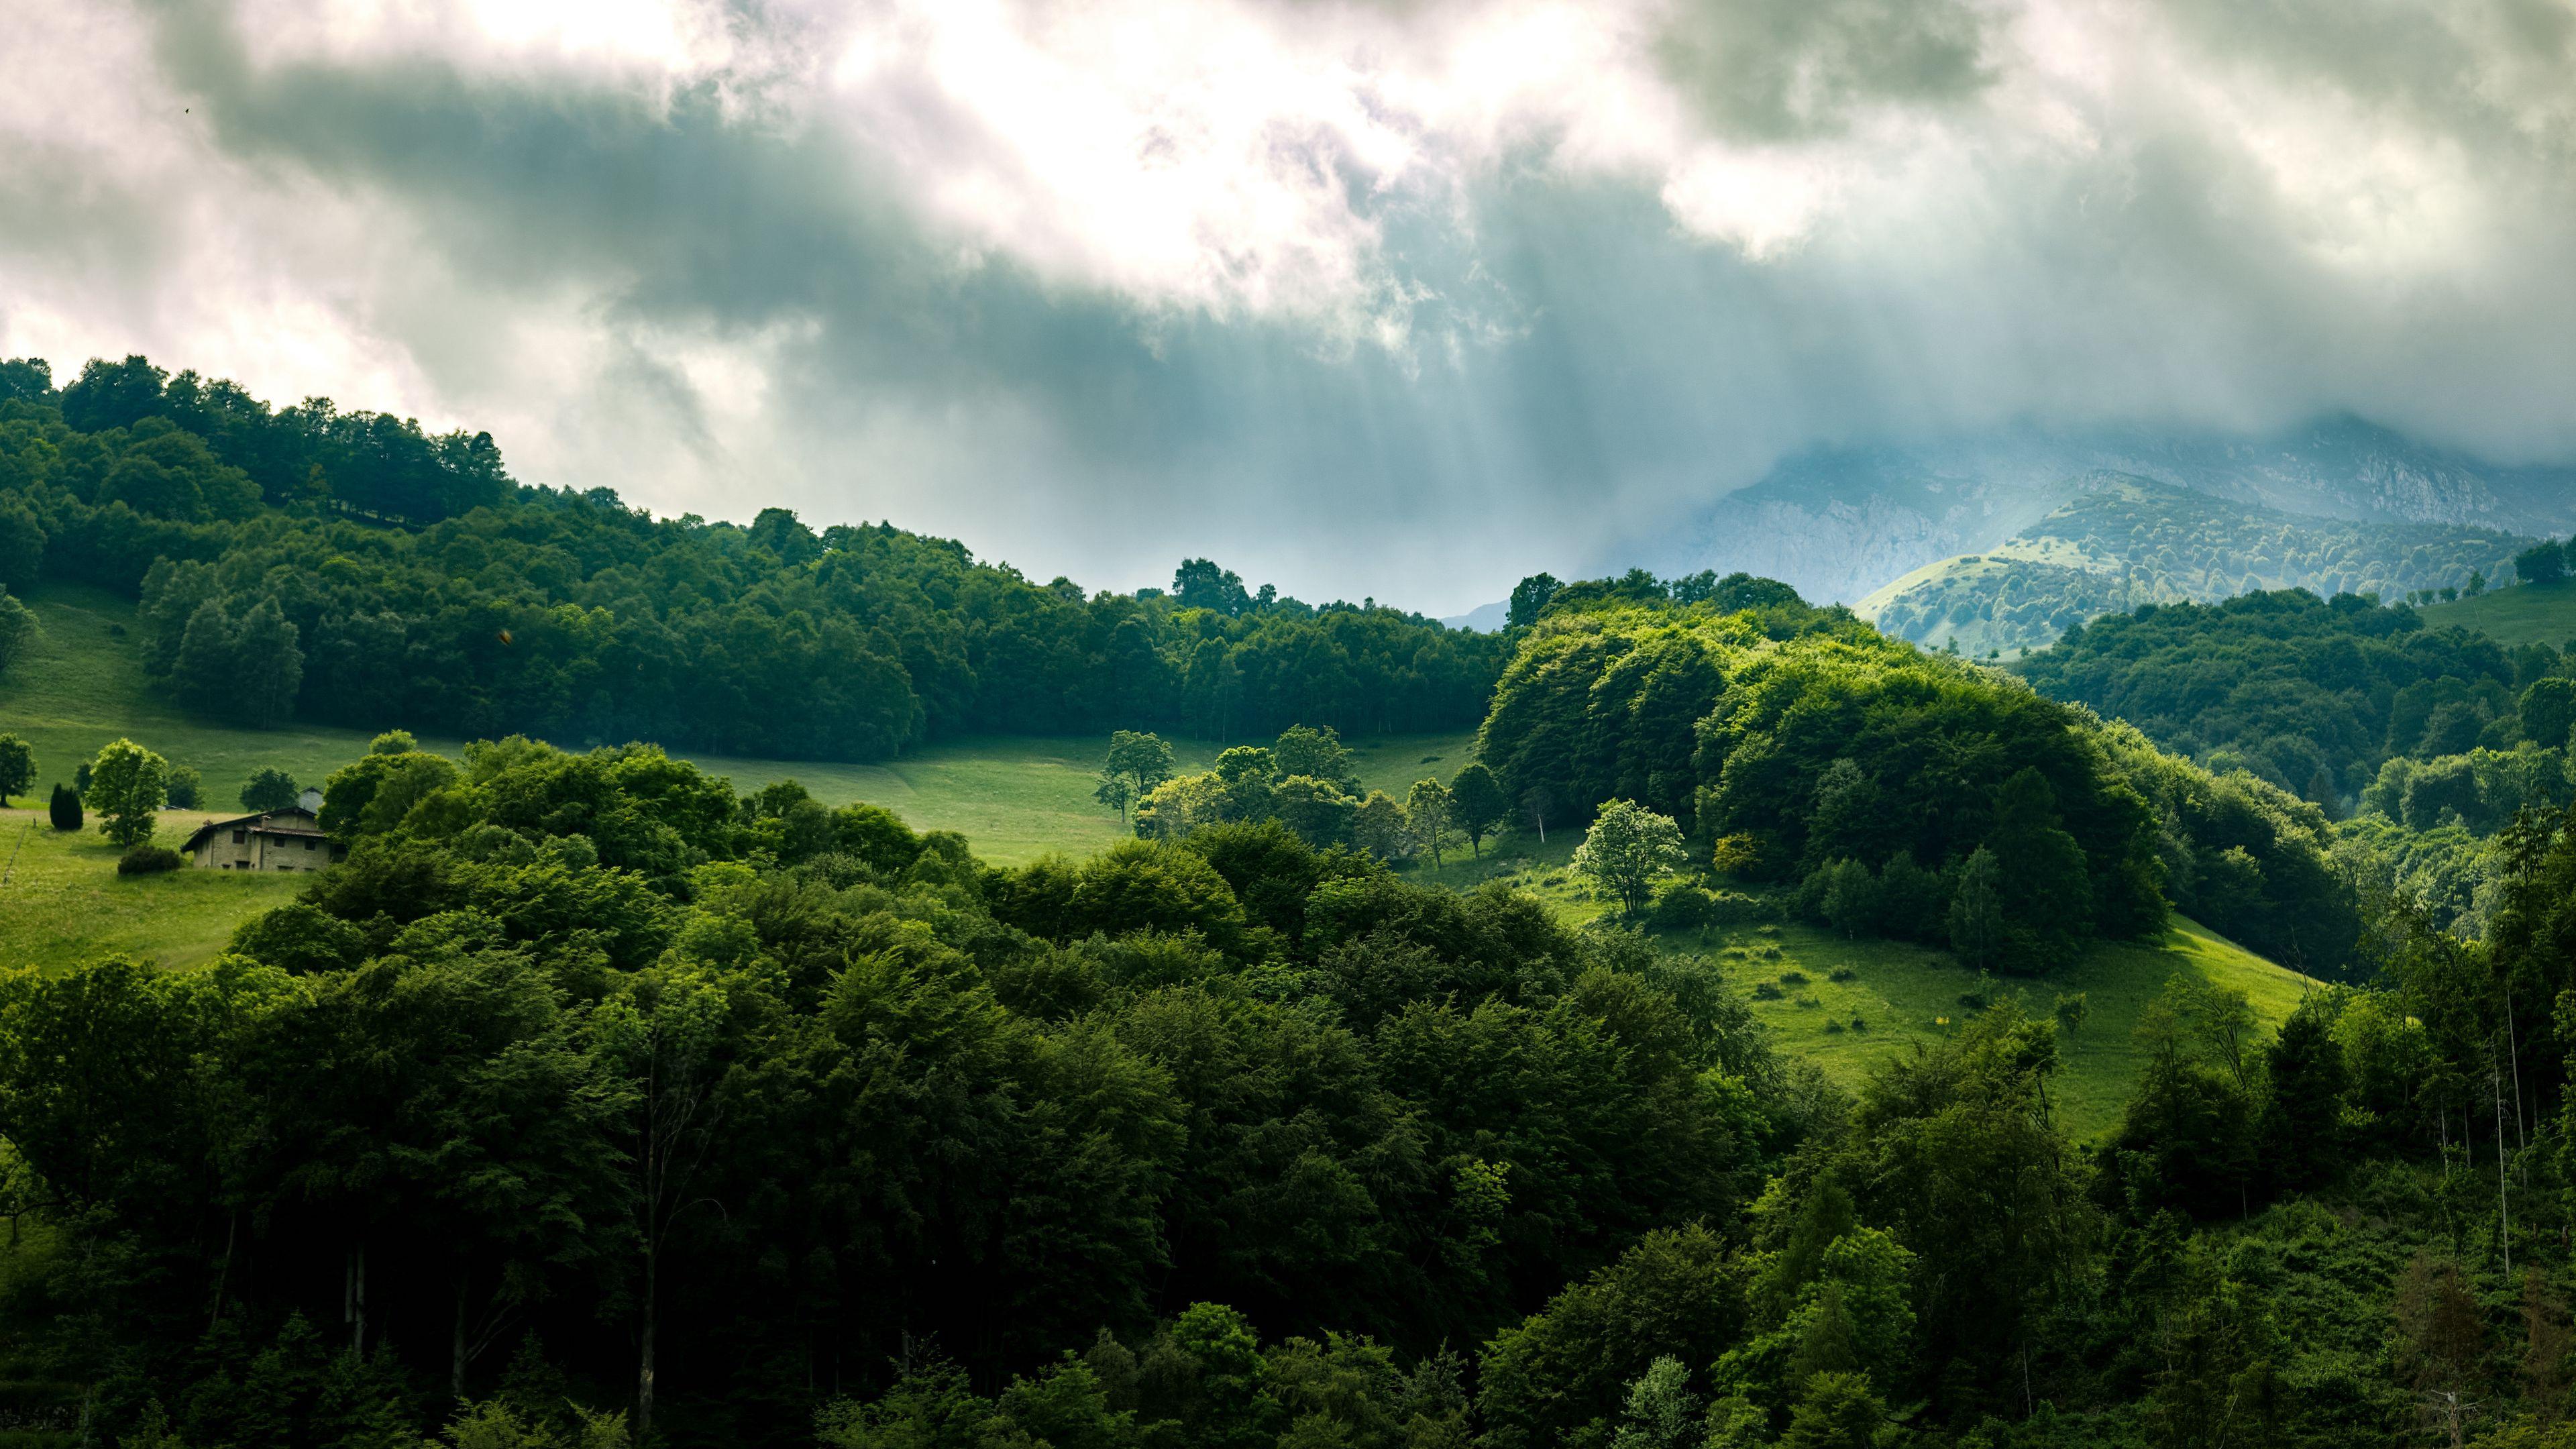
(1838, 523)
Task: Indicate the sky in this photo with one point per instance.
(1390, 298)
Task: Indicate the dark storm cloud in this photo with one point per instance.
(1427, 303)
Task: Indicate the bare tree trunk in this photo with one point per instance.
(456, 1345)
(644, 1354)
(2504, 1214)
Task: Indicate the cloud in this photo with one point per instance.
(1401, 298)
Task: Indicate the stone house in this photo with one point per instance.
(277, 840)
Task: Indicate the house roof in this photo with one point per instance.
(292, 821)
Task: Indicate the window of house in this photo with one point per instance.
(241, 836)
(308, 842)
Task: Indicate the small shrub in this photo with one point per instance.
(147, 859)
(1767, 991)
(1809, 1001)
(1843, 973)
(1860, 1023)
(116, 631)
(184, 789)
(1973, 1000)
(1768, 931)
(1793, 977)
(1833, 1028)
(65, 808)
(1771, 951)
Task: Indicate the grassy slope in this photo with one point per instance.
(2523, 614)
(64, 903)
(1015, 798)
(1903, 991)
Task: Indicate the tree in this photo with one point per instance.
(1627, 850)
(268, 665)
(1837, 1411)
(64, 809)
(1309, 750)
(17, 768)
(2542, 563)
(1538, 806)
(269, 788)
(184, 786)
(18, 630)
(1977, 933)
(2548, 710)
(1476, 802)
(1379, 827)
(22, 546)
(126, 787)
(1136, 763)
(1529, 599)
(1430, 809)
(1315, 809)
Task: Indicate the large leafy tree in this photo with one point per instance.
(1627, 850)
(127, 784)
(17, 767)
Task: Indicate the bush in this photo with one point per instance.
(1793, 977)
(1681, 905)
(147, 859)
(65, 808)
(1767, 991)
(1843, 973)
(184, 788)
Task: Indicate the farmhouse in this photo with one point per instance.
(276, 840)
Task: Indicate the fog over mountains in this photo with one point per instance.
(1838, 523)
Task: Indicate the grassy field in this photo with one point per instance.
(1896, 995)
(63, 903)
(1016, 798)
(2523, 614)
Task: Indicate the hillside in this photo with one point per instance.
(2126, 540)
(1841, 523)
(1867, 1001)
(2523, 614)
(1015, 796)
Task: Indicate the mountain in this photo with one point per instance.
(1839, 523)
(2125, 540)
(1484, 618)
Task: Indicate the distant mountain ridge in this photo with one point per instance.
(2127, 540)
(1839, 523)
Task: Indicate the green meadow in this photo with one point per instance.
(62, 902)
(2523, 614)
(1015, 797)
(1848, 1004)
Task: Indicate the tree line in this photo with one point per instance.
(348, 569)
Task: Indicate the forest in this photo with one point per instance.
(347, 568)
(588, 1102)
(2426, 743)
(591, 1102)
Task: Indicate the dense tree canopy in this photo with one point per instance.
(350, 569)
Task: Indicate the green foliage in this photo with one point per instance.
(185, 788)
(269, 788)
(147, 859)
(63, 811)
(17, 767)
(18, 630)
(127, 784)
(347, 568)
(1627, 850)
(1479, 804)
